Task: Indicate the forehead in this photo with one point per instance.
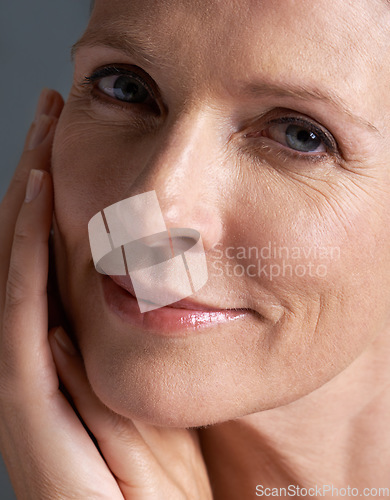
(342, 43)
(300, 30)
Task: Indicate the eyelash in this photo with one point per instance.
(113, 70)
(327, 139)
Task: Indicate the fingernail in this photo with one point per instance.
(44, 104)
(64, 341)
(34, 185)
(41, 129)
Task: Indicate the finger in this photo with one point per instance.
(41, 433)
(124, 449)
(36, 155)
(47, 451)
(37, 149)
(24, 331)
(11, 205)
(50, 103)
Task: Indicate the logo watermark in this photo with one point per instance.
(130, 238)
(325, 490)
(273, 261)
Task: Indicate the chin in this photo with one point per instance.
(157, 391)
(179, 386)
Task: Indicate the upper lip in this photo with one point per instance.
(125, 283)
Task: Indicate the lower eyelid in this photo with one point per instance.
(143, 113)
(279, 159)
(268, 147)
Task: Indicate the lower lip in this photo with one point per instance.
(165, 321)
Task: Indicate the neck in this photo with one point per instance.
(338, 435)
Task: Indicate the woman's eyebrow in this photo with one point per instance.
(137, 44)
(305, 92)
(133, 43)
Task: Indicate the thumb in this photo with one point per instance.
(63, 341)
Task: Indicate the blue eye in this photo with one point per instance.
(124, 88)
(121, 84)
(303, 140)
(299, 137)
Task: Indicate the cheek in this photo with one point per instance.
(83, 185)
(81, 169)
(317, 252)
(93, 166)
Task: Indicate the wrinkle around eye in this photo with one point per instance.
(94, 111)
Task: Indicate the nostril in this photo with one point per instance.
(158, 248)
(182, 244)
(183, 239)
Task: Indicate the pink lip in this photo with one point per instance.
(178, 319)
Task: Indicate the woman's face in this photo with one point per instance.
(264, 126)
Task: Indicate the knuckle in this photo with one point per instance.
(22, 234)
(16, 289)
(18, 387)
(19, 180)
(8, 386)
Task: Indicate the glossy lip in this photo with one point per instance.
(179, 319)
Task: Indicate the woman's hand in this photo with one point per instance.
(46, 447)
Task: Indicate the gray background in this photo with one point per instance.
(35, 41)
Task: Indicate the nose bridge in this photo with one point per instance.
(179, 157)
(182, 173)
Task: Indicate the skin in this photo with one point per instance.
(297, 388)
(140, 461)
(236, 191)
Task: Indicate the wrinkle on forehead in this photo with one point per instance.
(166, 26)
(344, 44)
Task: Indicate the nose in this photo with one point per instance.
(182, 168)
(165, 269)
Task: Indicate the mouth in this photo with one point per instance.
(178, 319)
